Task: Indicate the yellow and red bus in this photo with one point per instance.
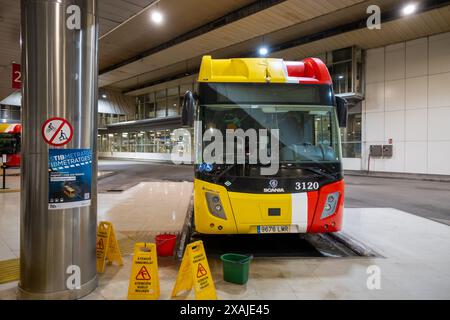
(306, 195)
(10, 143)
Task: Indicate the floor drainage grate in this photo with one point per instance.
(114, 190)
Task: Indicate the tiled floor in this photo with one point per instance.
(9, 220)
(415, 263)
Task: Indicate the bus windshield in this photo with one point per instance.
(307, 133)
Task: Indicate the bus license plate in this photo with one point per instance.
(273, 229)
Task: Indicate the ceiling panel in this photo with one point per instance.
(111, 14)
(140, 34)
(421, 25)
(275, 18)
(392, 32)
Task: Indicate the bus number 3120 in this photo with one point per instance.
(306, 186)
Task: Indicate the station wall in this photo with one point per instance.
(408, 101)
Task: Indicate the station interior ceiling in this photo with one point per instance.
(135, 54)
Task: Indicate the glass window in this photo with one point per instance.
(173, 101)
(351, 136)
(132, 140)
(140, 111)
(150, 107)
(173, 108)
(150, 145)
(342, 55)
(163, 142)
(161, 94)
(99, 120)
(125, 147)
(173, 92)
(105, 143)
(4, 112)
(109, 142)
(161, 103)
(99, 143)
(115, 144)
(140, 142)
(341, 74)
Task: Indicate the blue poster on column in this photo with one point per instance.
(70, 178)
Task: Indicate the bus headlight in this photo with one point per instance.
(330, 205)
(215, 205)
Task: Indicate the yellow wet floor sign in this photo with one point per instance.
(194, 272)
(107, 246)
(144, 280)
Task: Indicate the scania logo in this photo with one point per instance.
(273, 184)
(273, 187)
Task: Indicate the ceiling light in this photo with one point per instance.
(341, 77)
(263, 51)
(104, 96)
(409, 9)
(157, 17)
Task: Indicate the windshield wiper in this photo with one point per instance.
(319, 172)
(217, 178)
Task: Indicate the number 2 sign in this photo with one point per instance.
(16, 76)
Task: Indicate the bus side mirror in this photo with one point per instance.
(342, 111)
(188, 110)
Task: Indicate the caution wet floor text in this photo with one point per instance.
(144, 280)
(194, 272)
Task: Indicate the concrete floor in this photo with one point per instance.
(129, 173)
(414, 262)
(427, 199)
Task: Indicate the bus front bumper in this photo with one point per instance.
(217, 211)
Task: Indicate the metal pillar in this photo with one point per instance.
(60, 68)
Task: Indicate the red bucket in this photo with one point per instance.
(165, 243)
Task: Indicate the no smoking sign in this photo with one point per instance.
(57, 132)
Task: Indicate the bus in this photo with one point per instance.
(306, 194)
(10, 143)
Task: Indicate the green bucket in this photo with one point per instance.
(235, 267)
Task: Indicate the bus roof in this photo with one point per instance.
(263, 70)
(10, 128)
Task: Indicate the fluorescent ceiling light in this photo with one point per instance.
(409, 9)
(157, 17)
(263, 51)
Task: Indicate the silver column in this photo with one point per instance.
(59, 80)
